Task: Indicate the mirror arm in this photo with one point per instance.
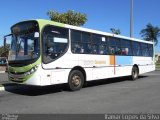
(7, 35)
(6, 39)
(4, 42)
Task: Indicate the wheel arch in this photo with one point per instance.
(80, 69)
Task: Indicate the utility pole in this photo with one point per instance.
(131, 18)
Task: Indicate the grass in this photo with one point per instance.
(158, 66)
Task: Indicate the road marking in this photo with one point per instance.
(2, 88)
(2, 71)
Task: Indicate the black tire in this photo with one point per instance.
(75, 80)
(135, 73)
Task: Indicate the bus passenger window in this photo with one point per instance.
(118, 51)
(87, 48)
(101, 49)
(82, 49)
(126, 50)
(55, 43)
(106, 50)
(94, 49)
(76, 48)
(126, 47)
(111, 50)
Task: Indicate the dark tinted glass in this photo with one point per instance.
(86, 37)
(76, 36)
(55, 43)
(136, 49)
(96, 39)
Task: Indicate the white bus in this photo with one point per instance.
(47, 53)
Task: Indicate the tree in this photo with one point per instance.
(70, 17)
(115, 31)
(4, 51)
(151, 33)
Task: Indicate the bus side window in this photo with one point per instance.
(111, 50)
(76, 48)
(76, 41)
(144, 48)
(118, 51)
(136, 48)
(123, 51)
(150, 48)
(86, 43)
(126, 47)
(96, 44)
(87, 48)
(102, 50)
(49, 44)
(94, 49)
(127, 51)
(82, 49)
(114, 46)
(55, 43)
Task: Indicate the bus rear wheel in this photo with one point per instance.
(135, 73)
(75, 80)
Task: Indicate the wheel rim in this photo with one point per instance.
(135, 74)
(76, 80)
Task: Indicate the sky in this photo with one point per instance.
(101, 14)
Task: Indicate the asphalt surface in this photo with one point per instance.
(3, 78)
(118, 95)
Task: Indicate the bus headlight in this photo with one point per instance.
(32, 70)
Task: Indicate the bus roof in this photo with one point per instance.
(43, 21)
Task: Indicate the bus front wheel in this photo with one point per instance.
(75, 80)
(135, 73)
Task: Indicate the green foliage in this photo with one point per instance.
(151, 33)
(115, 31)
(4, 51)
(70, 17)
(157, 66)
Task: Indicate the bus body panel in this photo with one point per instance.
(145, 64)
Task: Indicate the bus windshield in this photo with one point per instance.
(25, 42)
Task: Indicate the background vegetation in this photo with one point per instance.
(70, 17)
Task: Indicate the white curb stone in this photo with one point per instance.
(2, 71)
(2, 88)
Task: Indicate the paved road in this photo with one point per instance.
(106, 96)
(3, 78)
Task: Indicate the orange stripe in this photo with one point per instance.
(112, 59)
(113, 62)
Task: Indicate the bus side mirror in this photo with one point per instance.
(5, 44)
